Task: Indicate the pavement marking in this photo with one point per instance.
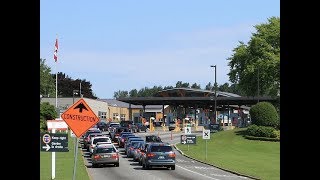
(221, 175)
(197, 173)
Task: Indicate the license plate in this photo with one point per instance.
(106, 156)
(161, 157)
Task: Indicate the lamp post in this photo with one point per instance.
(74, 92)
(215, 91)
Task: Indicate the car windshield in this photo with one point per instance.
(106, 150)
(100, 140)
(161, 148)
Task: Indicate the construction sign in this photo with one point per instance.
(80, 117)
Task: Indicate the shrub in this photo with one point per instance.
(261, 131)
(264, 114)
(252, 130)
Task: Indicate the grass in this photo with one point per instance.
(64, 164)
(230, 150)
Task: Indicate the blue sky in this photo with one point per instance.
(125, 45)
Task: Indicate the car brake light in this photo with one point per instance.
(150, 154)
(138, 150)
(172, 154)
(115, 156)
(131, 148)
(96, 157)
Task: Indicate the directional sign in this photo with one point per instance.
(187, 130)
(206, 134)
(51, 142)
(188, 139)
(80, 117)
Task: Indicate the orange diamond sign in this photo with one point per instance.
(79, 117)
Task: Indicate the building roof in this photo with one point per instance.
(191, 92)
(116, 103)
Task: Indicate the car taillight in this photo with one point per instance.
(138, 150)
(150, 154)
(96, 156)
(122, 140)
(131, 148)
(172, 154)
(115, 156)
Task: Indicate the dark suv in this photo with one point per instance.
(130, 125)
(159, 154)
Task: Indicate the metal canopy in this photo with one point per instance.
(196, 101)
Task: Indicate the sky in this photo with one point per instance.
(125, 45)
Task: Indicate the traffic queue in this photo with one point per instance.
(149, 152)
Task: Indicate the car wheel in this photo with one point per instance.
(94, 165)
(173, 167)
(147, 166)
(116, 164)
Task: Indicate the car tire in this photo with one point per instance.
(148, 166)
(94, 165)
(116, 164)
(173, 167)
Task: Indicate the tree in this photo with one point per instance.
(195, 86)
(47, 112)
(67, 85)
(133, 93)
(121, 94)
(209, 86)
(258, 61)
(47, 83)
(179, 84)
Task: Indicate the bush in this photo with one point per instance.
(262, 138)
(261, 131)
(264, 114)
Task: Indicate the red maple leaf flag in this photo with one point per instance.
(55, 54)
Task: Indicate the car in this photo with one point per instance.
(153, 138)
(86, 141)
(129, 139)
(142, 152)
(112, 125)
(159, 155)
(102, 126)
(121, 139)
(137, 150)
(105, 154)
(131, 147)
(94, 140)
(116, 133)
(130, 125)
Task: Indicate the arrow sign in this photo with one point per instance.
(184, 142)
(80, 107)
(47, 147)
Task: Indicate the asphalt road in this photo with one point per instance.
(186, 168)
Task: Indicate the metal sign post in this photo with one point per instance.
(206, 136)
(75, 161)
(206, 149)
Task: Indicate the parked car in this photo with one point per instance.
(105, 154)
(160, 155)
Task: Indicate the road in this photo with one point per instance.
(186, 168)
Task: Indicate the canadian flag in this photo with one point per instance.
(55, 54)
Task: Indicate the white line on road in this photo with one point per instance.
(197, 173)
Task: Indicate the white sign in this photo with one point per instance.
(187, 130)
(206, 134)
(57, 124)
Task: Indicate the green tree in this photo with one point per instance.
(47, 112)
(209, 86)
(195, 86)
(120, 94)
(133, 93)
(47, 83)
(258, 61)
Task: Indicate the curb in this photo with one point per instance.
(233, 172)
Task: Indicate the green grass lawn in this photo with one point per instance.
(64, 164)
(230, 150)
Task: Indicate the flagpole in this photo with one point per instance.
(53, 157)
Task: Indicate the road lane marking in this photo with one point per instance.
(196, 173)
(231, 176)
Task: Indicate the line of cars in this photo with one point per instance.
(100, 147)
(151, 152)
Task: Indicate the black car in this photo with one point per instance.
(130, 125)
(102, 126)
(114, 135)
(153, 138)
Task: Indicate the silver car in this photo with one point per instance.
(105, 154)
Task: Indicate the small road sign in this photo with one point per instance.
(187, 130)
(51, 142)
(188, 139)
(206, 134)
(80, 117)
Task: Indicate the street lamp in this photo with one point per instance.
(74, 92)
(215, 91)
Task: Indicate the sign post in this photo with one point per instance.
(53, 161)
(79, 118)
(206, 136)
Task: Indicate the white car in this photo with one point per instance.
(94, 140)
